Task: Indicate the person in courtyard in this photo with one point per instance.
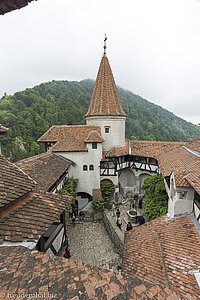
(140, 201)
(73, 219)
(70, 213)
(67, 241)
(113, 210)
(135, 199)
(141, 220)
(67, 253)
(118, 213)
(75, 209)
(81, 216)
(119, 223)
(129, 226)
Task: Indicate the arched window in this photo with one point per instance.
(91, 168)
(85, 168)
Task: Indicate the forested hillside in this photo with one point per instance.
(30, 113)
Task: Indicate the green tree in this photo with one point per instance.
(29, 113)
(156, 199)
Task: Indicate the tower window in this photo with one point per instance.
(94, 145)
(91, 168)
(107, 129)
(85, 168)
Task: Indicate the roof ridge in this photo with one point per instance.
(13, 164)
(35, 156)
(159, 142)
(191, 151)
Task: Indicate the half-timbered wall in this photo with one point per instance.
(57, 243)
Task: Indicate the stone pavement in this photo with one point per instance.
(123, 207)
(90, 244)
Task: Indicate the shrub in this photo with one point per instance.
(156, 199)
(100, 203)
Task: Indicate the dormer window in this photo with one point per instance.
(94, 145)
(107, 129)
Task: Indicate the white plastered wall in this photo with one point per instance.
(180, 199)
(116, 135)
(134, 180)
(88, 180)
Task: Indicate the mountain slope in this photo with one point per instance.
(30, 113)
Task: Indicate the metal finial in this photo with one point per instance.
(105, 44)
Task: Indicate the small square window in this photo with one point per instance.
(94, 145)
(107, 129)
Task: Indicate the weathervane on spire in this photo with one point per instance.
(105, 44)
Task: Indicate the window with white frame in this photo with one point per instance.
(85, 168)
(94, 145)
(107, 129)
(91, 168)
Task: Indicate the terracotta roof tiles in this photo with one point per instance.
(31, 272)
(182, 159)
(180, 180)
(152, 148)
(164, 251)
(32, 216)
(143, 148)
(94, 136)
(45, 169)
(105, 99)
(119, 151)
(194, 144)
(69, 138)
(14, 183)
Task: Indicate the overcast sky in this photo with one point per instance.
(153, 47)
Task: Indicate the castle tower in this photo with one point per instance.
(105, 107)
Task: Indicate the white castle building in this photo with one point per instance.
(99, 151)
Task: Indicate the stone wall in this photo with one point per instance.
(115, 234)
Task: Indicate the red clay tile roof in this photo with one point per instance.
(3, 130)
(9, 5)
(36, 273)
(143, 148)
(194, 144)
(105, 99)
(45, 169)
(179, 179)
(164, 251)
(32, 216)
(14, 183)
(194, 180)
(68, 138)
(119, 151)
(181, 159)
(94, 136)
(152, 148)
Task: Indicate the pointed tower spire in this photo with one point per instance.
(105, 39)
(105, 99)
